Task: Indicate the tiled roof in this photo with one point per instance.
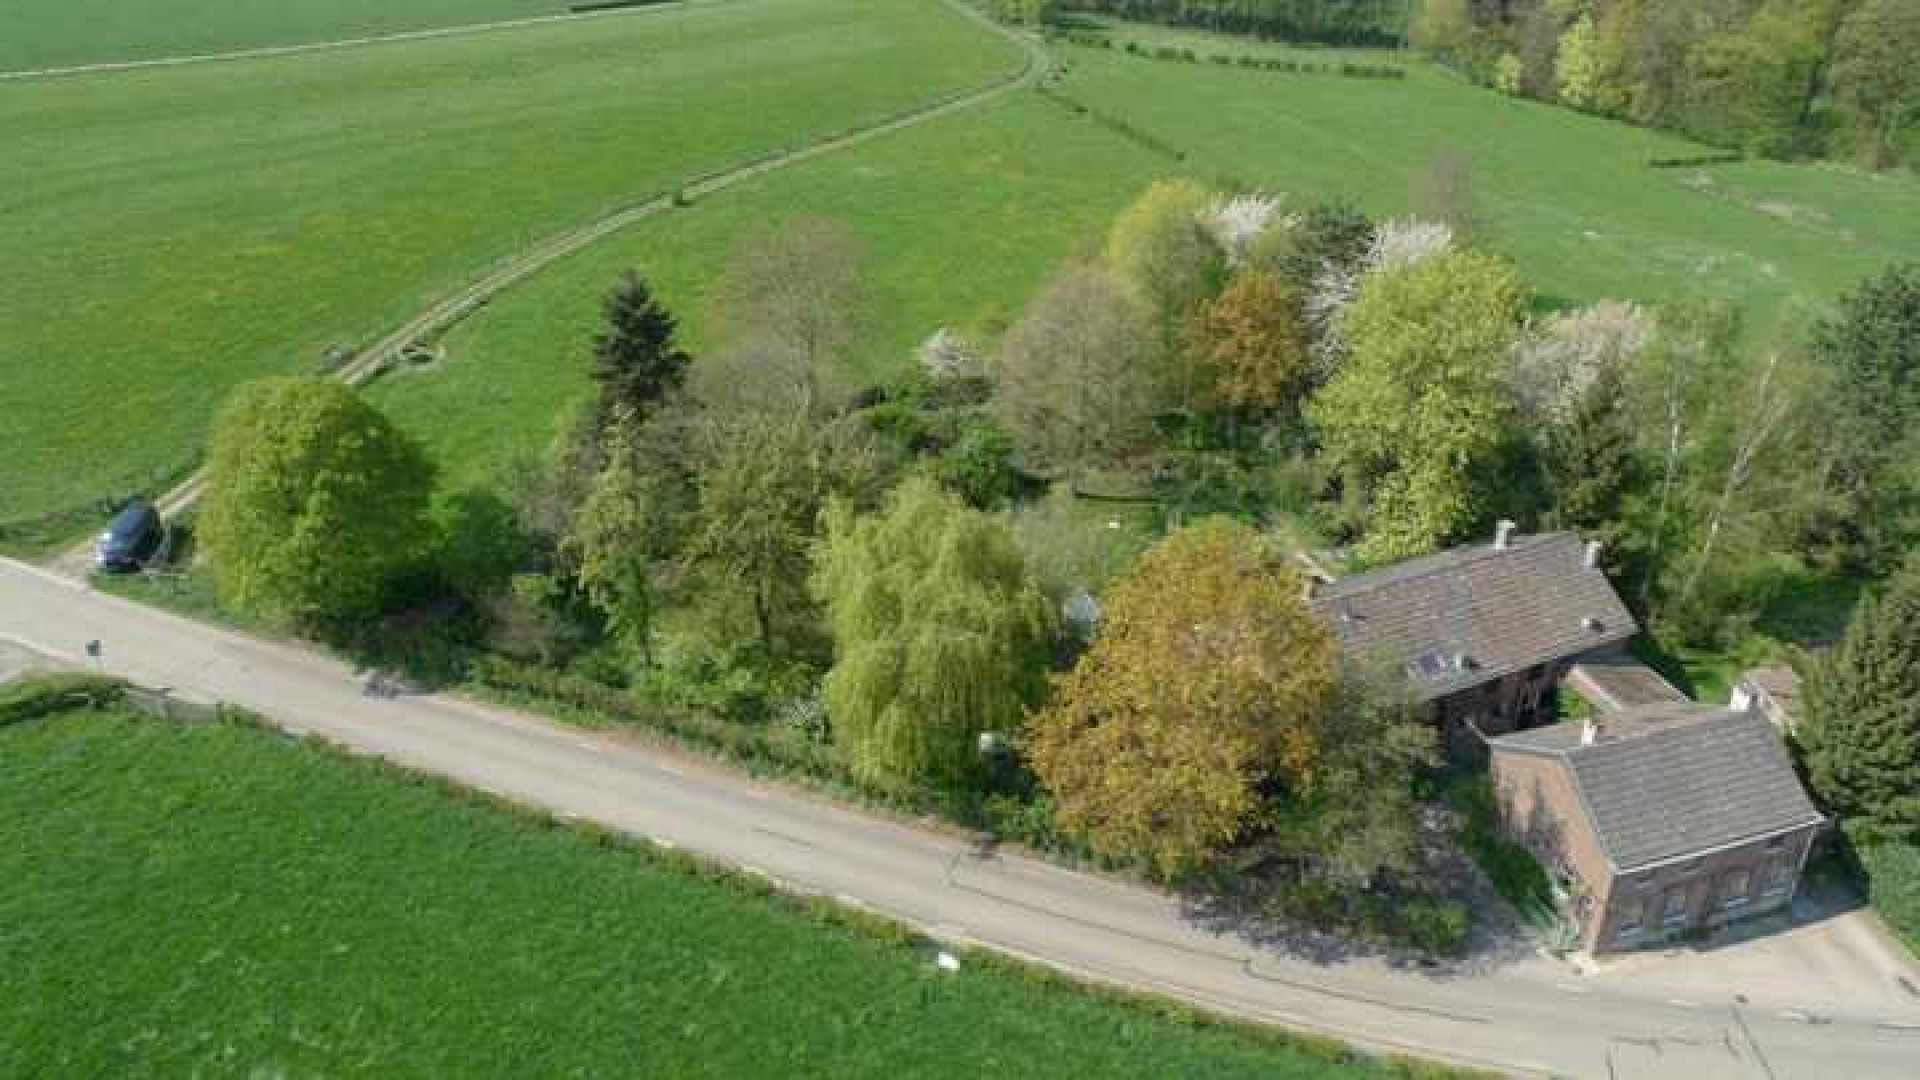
(1614, 683)
(1674, 780)
(1471, 615)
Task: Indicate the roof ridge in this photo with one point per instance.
(1446, 559)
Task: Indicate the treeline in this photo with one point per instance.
(1377, 23)
(1781, 78)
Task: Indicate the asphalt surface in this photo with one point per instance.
(1532, 1017)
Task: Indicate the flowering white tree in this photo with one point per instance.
(1235, 223)
(1556, 363)
(1397, 245)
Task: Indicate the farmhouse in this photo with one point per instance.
(1658, 820)
(1484, 634)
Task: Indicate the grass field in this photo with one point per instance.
(962, 219)
(64, 33)
(170, 233)
(215, 901)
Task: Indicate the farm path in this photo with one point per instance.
(447, 312)
(1822, 1000)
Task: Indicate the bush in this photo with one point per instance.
(979, 468)
(35, 698)
(1892, 873)
(1515, 873)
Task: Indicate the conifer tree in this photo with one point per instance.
(1861, 733)
(635, 360)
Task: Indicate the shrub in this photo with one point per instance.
(979, 468)
(1892, 873)
(35, 698)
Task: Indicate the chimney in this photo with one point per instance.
(1589, 731)
(1594, 548)
(1503, 535)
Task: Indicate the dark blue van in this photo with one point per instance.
(131, 539)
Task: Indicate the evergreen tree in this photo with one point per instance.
(940, 633)
(1588, 457)
(1872, 350)
(635, 360)
(1861, 733)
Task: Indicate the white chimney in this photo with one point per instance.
(1503, 535)
(1594, 547)
(1589, 732)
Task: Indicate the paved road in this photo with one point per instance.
(1534, 1017)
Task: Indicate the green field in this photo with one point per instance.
(962, 219)
(215, 901)
(62, 33)
(171, 233)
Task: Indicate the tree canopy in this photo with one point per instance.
(1423, 401)
(1252, 347)
(939, 630)
(1208, 679)
(1861, 732)
(315, 501)
(635, 359)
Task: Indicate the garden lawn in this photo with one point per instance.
(63, 33)
(173, 232)
(218, 901)
(960, 220)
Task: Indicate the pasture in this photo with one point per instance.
(220, 901)
(65, 33)
(962, 219)
(174, 232)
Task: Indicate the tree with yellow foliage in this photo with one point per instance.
(1251, 346)
(1209, 679)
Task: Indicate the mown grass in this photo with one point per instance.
(173, 232)
(218, 901)
(64, 33)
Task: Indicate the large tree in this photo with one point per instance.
(800, 286)
(1206, 683)
(1422, 404)
(315, 501)
(1875, 70)
(1160, 247)
(1072, 383)
(939, 634)
(1861, 733)
(636, 361)
(629, 521)
(1872, 350)
(1251, 346)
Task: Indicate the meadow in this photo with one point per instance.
(64, 33)
(174, 232)
(962, 219)
(218, 901)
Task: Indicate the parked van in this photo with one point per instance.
(131, 539)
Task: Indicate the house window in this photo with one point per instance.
(1675, 911)
(1779, 875)
(1628, 924)
(1734, 889)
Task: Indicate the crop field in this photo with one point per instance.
(64, 33)
(173, 232)
(218, 901)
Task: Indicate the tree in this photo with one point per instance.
(1206, 683)
(800, 286)
(1251, 346)
(1160, 247)
(628, 522)
(1328, 238)
(1750, 83)
(1576, 73)
(1588, 457)
(1874, 70)
(315, 501)
(635, 360)
(1872, 348)
(1860, 737)
(1444, 29)
(939, 634)
(1422, 403)
(1072, 383)
(761, 483)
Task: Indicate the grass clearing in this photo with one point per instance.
(217, 901)
(66, 33)
(174, 232)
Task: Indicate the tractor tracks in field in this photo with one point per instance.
(447, 312)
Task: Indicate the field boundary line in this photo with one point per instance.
(451, 310)
(268, 52)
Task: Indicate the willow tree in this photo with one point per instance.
(940, 634)
(1207, 686)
